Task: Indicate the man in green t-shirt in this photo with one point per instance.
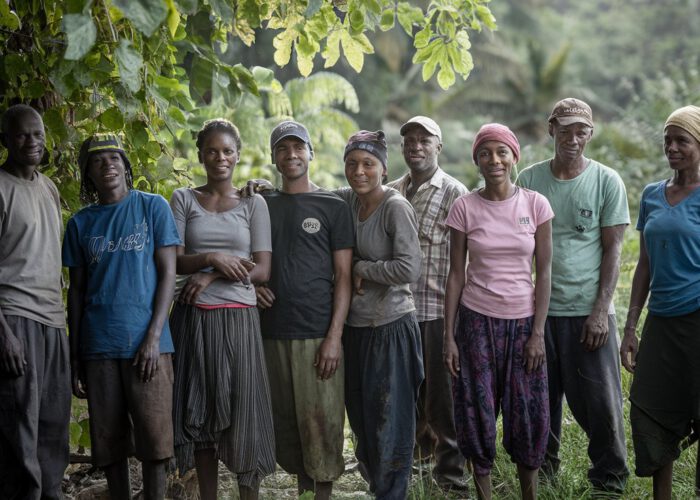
(591, 214)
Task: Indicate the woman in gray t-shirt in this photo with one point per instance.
(384, 363)
(222, 399)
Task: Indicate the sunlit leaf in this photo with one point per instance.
(446, 77)
(173, 19)
(388, 19)
(9, 18)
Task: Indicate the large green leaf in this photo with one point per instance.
(129, 62)
(188, 6)
(223, 9)
(8, 18)
(81, 34)
(138, 135)
(201, 76)
(112, 119)
(146, 15)
(55, 123)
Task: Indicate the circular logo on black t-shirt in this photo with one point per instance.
(311, 225)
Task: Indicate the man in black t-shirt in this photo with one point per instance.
(304, 306)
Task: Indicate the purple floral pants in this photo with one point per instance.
(492, 378)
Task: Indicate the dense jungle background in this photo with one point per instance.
(156, 69)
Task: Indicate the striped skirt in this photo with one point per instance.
(222, 396)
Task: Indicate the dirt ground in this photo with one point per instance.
(85, 483)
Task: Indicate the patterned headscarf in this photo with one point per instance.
(372, 142)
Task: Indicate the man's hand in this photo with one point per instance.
(195, 285)
(232, 267)
(328, 357)
(12, 360)
(534, 352)
(450, 355)
(628, 350)
(255, 186)
(265, 296)
(595, 331)
(146, 359)
(357, 285)
(78, 379)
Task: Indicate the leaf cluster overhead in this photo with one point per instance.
(145, 67)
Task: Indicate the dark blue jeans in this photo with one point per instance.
(383, 371)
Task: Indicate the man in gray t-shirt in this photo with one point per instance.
(34, 355)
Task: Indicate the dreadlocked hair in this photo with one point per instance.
(88, 191)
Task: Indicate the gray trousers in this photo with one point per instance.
(34, 415)
(435, 426)
(591, 383)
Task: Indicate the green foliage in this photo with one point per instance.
(154, 70)
(79, 426)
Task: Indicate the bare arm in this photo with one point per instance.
(149, 351)
(453, 291)
(12, 360)
(534, 348)
(261, 272)
(230, 266)
(330, 351)
(595, 329)
(76, 306)
(638, 297)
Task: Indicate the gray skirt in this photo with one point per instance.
(222, 396)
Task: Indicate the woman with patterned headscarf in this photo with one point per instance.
(665, 392)
(383, 356)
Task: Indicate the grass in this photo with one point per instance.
(572, 483)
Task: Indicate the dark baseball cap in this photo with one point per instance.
(286, 129)
(571, 110)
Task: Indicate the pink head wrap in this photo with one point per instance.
(496, 132)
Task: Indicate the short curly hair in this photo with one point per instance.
(218, 125)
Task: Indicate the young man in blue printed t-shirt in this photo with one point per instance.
(121, 255)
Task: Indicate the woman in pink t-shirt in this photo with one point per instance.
(495, 316)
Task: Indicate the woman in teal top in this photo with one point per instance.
(665, 392)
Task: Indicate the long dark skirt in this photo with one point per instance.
(665, 391)
(492, 377)
(383, 371)
(222, 397)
